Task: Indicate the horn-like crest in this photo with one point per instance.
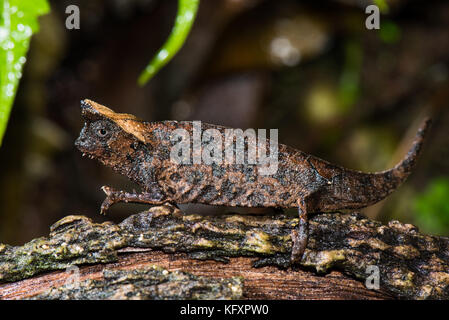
(127, 122)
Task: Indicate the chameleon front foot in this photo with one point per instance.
(114, 196)
(111, 198)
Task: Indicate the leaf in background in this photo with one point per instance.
(18, 22)
(383, 5)
(389, 32)
(185, 17)
(349, 88)
(432, 207)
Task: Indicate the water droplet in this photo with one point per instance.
(163, 54)
(28, 32)
(150, 69)
(188, 16)
(10, 56)
(8, 45)
(3, 33)
(20, 27)
(10, 90)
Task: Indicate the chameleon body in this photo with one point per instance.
(140, 150)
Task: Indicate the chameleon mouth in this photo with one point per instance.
(82, 145)
(85, 154)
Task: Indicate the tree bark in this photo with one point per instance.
(163, 254)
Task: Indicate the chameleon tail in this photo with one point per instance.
(354, 189)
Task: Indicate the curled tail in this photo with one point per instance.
(350, 189)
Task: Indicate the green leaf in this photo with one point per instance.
(185, 17)
(18, 22)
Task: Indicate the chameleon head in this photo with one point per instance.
(107, 136)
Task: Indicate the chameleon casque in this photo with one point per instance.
(140, 150)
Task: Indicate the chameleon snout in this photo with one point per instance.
(82, 144)
(85, 146)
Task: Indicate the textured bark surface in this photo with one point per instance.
(148, 282)
(246, 281)
(232, 256)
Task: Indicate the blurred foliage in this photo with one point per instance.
(349, 89)
(383, 5)
(389, 32)
(18, 22)
(184, 20)
(432, 207)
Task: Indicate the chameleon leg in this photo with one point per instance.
(300, 236)
(113, 196)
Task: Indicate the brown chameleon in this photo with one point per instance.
(140, 150)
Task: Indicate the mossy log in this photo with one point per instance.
(164, 254)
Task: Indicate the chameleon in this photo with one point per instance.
(140, 150)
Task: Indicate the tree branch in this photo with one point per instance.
(341, 247)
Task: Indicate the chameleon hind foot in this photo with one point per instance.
(300, 238)
(114, 196)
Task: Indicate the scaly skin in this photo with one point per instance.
(140, 150)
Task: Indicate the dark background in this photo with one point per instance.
(309, 68)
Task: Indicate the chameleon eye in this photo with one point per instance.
(102, 132)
